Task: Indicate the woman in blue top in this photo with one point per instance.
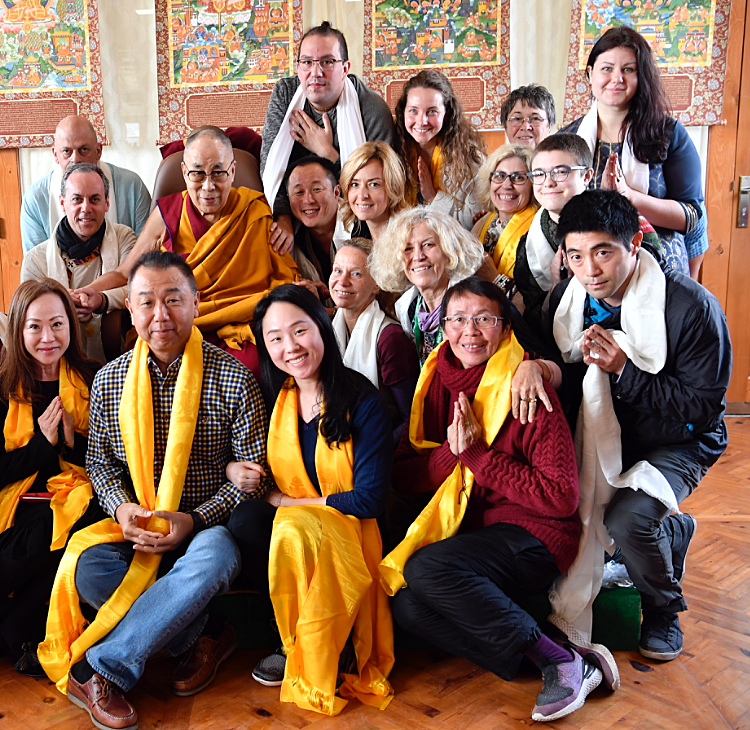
(638, 148)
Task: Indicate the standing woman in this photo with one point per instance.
(330, 451)
(373, 186)
(44, 492)
(441, 150)
(638, 148)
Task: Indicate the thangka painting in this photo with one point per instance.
(467, 40)
(218, 60)
(49, 68)
(689, 41)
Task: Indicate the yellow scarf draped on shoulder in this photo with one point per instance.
(68, 637)
(71, 489)
(442, 516)
(323, 575)
(234, 266)
(504, 255)
(436, 169)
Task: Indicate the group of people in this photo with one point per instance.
(358, 387)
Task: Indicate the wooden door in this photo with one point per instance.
(11, 250)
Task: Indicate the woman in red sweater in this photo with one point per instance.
(509, 490)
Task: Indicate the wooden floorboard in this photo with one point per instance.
(706, 688)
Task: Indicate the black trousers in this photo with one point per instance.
(251, 524)
(461, 595)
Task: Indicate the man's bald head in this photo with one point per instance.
(75, 141)
(210, 132)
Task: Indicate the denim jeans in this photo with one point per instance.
(171, 613)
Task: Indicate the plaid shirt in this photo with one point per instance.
(231, 425)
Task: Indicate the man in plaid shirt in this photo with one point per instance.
(199, 558)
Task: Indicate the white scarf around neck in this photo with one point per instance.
(636, 172)
(599, 448)
(539, 253)
(349, 128)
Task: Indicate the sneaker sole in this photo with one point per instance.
(267, 682)
(659, 656)
(200, 688)
(587, 686)
(84, 706)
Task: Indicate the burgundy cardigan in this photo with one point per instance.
(526, 477)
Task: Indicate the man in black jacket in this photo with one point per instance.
(661, 353)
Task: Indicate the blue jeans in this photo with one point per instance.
(171, 613)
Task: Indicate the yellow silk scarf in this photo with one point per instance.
(442, 517)
(323, 575)
(504, 255)
(70, 488)
(233, 265)
(436, 169)
(68, 637)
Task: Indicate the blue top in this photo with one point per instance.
(373, 458)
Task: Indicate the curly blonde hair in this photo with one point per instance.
(482, 187)
(461, 145)
(462, 250)
(394, 177)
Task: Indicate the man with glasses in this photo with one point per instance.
(222, 232)
(528, 115)
(324, 111)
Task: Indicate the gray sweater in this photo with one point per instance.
(377, 121)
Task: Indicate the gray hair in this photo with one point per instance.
(209, 130)
(84, 167)
(533, 95)
(463, 251)
(482, 185)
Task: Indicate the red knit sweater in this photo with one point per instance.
(527, 477)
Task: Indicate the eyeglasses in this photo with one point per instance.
(326, 64)
(199, 176)
(534, 120)
(516, 178)
(557, 174)
(481, 321)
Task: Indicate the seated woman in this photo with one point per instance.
(505, 189)
(371, 342)
(441, 150)
(330, 451)
(517, 524)
(373, 185)
(44, 404)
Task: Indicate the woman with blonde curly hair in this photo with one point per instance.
(373, 184)
(441, 150)
(505, 190)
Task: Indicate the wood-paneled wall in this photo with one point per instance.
(11, 251)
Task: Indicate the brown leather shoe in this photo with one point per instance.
(201, 662)
(104, 702)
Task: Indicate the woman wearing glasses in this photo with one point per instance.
(502, 523)
(441, 150)
(639, 149)
(528, 115)
(504, 187)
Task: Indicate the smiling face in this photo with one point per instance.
(293, 341)
(207, 154)
(472, 345)
(602, 264)
(367, 195)
(526, 125)
(46, 333)
(351, 285)
(163, 307)
(313, 199)
(423, 116)
(322, 88)
(614, 78)
(553, 195)
(425, 264)
(508, 197)
(84, 203)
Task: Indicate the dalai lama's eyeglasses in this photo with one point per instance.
(199, 176)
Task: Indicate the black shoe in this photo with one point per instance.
(28, 663)
(661, 635)
(270, 671)
(683, 531)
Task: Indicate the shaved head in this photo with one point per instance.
(75, 141)
(209, 132)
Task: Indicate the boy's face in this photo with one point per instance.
(553, 195)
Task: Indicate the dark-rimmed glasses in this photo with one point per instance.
(326, 64)
(199, 176)
(516, 178)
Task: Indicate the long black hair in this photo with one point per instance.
(341, 388)
(649, 110)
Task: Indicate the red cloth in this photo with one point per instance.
(527, 477)
(170, 207)
(248, 355)
(243, 138)
(397, 358)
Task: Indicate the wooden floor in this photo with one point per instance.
(706, 688)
